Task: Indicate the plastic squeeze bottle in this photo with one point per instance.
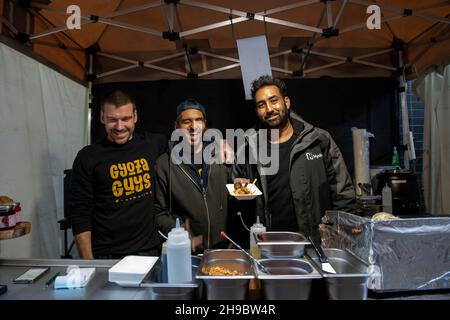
(179, 263)
(164, 278)
(256, 228)
(386, 198)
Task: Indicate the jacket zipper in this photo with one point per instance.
(204, 199)
(206, 206)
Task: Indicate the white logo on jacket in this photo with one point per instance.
(312, 156)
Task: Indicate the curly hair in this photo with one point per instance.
(267, 80)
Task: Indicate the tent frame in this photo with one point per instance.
(235, 17)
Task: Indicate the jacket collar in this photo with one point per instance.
(306, 133)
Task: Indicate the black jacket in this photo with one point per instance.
(319, 178)
(179, 195)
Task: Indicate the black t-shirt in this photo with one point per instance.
(111, 194)
(199, 170)
(280, 202)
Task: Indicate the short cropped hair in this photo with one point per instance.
(118, 98)
(267, 80)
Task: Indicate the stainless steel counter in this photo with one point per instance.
(97, 289)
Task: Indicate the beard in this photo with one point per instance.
(277, 119)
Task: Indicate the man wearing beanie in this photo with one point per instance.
(192, 190)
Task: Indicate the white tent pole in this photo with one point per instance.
(329, 14)
(109, 73)
(288, 7)
(171, 23)
(282, 70)
(326, 66)
(8, 25)
(152, 66)
(89, 101)
(130, 26)
(231, 66)
(187, 66)
(208, 54)
(417, 13)
(288, 24)
(134, 64)
(204, 63)
(340, 13)
(322, 54)
(213, 8)
(132, 10)
(375, 65)
(170, 56)
(282, 53)
(243, 14)
(212, 26)
(405, 119)
(376, 53)
(56, 30)
(168, 18)
(117, 58)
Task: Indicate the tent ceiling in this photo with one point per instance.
(129, 42)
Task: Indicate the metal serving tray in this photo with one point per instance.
(226, 287)
(289, 279)
(350, 280)
(281, 244)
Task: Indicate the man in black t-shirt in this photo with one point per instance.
(111, 192)
(312, 176)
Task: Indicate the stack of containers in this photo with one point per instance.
(290, 274)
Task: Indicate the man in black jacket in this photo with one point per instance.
(111, 193)
(192, 188)
(312, 176)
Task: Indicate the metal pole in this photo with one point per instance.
(404, 108)
(88, 139)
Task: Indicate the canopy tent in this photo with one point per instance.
(138, 40)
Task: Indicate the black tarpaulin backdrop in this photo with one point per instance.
(335, 105)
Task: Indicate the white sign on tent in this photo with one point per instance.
(254, 60)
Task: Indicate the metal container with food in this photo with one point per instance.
(350, 280)
(226, 274)
(281, 244)
(160, 289)
(287, 279)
